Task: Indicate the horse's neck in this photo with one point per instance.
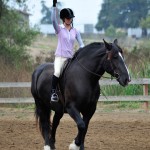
(93, 63)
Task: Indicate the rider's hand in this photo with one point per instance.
(54, 3)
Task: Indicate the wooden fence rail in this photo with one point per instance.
(141, 81)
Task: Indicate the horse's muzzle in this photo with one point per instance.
(124, 81)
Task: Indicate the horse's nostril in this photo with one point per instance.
(127, 81)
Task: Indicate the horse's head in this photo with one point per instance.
(114, 63)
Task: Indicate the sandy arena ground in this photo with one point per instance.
(107, 131)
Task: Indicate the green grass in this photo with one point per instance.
(129, 105)
(120, 106)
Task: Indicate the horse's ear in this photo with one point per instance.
(107, 45)
(116, 41)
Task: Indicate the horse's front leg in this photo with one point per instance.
(84, 133)
(56, 120)
(75, 114)
(86, 118)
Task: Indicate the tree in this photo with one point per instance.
(46, 19)
(47, 14)
(144, 24)
(14, 37)
(122, 13)
(2, 7)
(111, 31)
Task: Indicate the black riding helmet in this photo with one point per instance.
(66, 13)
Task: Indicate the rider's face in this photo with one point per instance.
(68, 21)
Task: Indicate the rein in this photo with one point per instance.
(87, 68)
(90, 70)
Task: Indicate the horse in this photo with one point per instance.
(78, 89)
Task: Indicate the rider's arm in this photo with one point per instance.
(54, 18)
(79, 39)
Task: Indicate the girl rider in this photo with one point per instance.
(67, 35)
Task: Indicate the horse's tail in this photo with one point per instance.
(34, 92)
(42, 109)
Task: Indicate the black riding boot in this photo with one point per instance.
(54, 96)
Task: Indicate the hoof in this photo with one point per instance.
(73, 146)
(47, 147)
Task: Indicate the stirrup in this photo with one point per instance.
(54, 97)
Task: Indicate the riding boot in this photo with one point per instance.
(54, 96)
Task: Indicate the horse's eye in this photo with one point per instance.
(115, 56)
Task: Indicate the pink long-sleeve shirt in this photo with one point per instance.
(66, 38)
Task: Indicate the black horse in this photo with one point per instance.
(78, 89)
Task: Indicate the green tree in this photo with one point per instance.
(122, 13)
(14, 37)
(112, 32)
(144, 24)
(46, 19)
(46, 14)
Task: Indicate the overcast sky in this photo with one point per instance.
(86, 11)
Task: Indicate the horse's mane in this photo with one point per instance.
(88, 49)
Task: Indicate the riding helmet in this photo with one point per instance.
(66, 13)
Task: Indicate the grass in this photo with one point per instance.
(119, 90)
(120, 107)
(129, 105)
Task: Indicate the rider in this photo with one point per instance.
(66, 37)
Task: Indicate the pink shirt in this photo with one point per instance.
(66, 38)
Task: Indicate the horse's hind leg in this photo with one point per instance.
(43, 115)
(56, 120)
(75, 114)
(45, 126)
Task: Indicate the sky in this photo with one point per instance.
(86, 11)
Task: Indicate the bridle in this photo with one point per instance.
(109, 57)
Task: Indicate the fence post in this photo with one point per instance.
(145, 93)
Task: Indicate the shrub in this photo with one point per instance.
(14, 37)
(112, 32)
